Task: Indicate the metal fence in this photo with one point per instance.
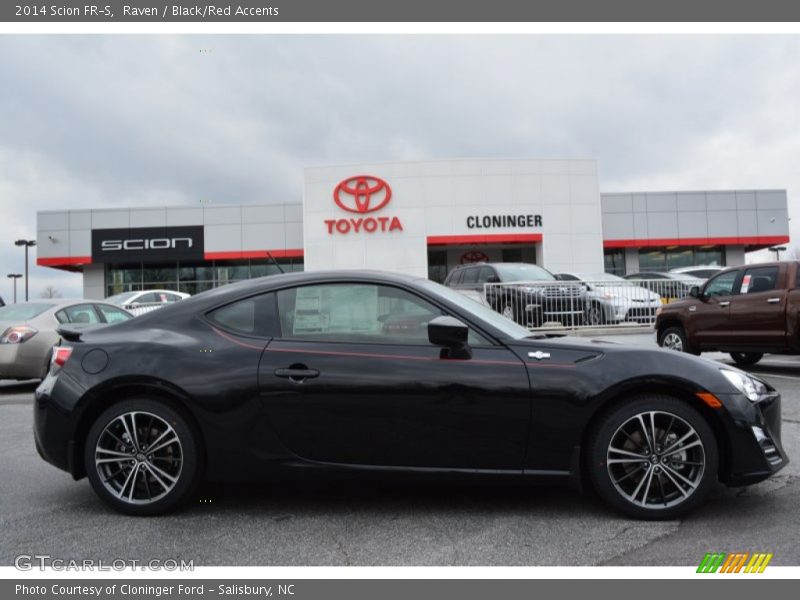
(579, 304)
(144, 307)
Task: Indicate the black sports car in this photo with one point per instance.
(362, 372)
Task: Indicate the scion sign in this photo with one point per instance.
(147, 244)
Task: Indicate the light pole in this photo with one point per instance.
(27, 244)
(15, 276)
(777, 250)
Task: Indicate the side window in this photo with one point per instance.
(81, 313)
(250, 316)
(61, 317)
(112, 314)
(470, 275)
(566, 277)
(484, 273)
(173, 297)
(147, 299)
(759, 279)
(358, 313)
(721, 285)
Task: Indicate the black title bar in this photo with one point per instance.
(405, 10)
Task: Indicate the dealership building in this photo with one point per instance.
(421, 218)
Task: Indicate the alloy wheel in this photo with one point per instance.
(673, 341)
(508, 312)
(656, 460)
(138, 457)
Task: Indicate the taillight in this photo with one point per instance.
(17, 335)
(61, 355)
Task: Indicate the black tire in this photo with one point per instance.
(746, 359)
(595, 315)
(674, 338)
(657, 508)
(187, 452)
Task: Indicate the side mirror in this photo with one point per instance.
(694, 291)
(451, 334)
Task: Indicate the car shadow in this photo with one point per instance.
(11, 387)
(289, 499)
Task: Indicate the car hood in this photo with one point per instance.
(629, 292)
(620, 361)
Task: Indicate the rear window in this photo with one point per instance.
(22, 312)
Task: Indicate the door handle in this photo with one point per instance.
(297, 374)
(773, 300)
(725, 303)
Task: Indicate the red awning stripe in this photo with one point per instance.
(760, 240)
(498, 238)
(288, 253)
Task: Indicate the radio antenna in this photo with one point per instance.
(272, 258)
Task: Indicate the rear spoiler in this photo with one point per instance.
(74, 331)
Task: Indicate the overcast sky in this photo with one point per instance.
(104, 121)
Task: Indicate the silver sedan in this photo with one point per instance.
(28, 331)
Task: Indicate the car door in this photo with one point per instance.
(351, 378)
(708, 321)
(758, 312)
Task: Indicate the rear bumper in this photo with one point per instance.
(54, 422)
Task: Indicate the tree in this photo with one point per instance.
(50, 292)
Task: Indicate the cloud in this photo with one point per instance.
(95, 121)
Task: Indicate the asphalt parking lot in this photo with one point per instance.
(43, 511)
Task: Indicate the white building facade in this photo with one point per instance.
(420, 218)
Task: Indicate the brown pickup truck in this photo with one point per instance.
(746, 311)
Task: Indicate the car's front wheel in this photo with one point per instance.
(746, 359)
(674, 338)
(654, 457)
(142, 457)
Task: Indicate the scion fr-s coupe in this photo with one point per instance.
(366, 372)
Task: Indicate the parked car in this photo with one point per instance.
(360, 373)
(612, 299)
(670, 286)
(746, 311)
(28, 331)
(529, 305)
(699, 271)
(140, 302)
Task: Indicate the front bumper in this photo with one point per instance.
(754, 448)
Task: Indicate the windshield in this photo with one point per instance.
(120, 299)
(484, 313)
(22, 312)
(512, 272)
(604, 278)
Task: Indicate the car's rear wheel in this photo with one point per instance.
(142, 457)
(674, 338)
(746, 359)
(654, 457)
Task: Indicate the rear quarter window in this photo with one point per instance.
(255, 316)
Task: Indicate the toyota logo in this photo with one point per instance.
(473, 256)
(362, 194)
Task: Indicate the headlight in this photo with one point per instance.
(751, 387)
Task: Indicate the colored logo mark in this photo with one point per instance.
(736, 562)
(362, 194)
